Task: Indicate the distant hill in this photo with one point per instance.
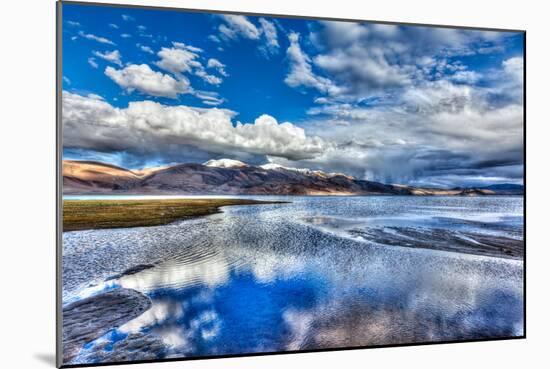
(231, 177)
(505, 187)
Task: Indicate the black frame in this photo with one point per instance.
(59, 183)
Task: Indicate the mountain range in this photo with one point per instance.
(233, 177)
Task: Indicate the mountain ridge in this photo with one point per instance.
(229, 177)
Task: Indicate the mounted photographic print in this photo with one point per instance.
(243, 184)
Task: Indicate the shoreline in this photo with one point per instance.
(80, 215)
(115, 195)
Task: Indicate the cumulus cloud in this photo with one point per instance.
(143, 79)
(236, 26)
(373, 60)
(402, 106)
(110, 56)
(93, 37)
(363, 58)
(338, 34)
(364, 69)
(301, 73)
(177, 60)
(513, 68)
(91, 123)
(183, 59)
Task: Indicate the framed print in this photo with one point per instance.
(238, 184)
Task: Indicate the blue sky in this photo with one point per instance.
(401, 104)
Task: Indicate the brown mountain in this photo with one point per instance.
(227, 177)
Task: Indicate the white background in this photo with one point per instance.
(27, 220)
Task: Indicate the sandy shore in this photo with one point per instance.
(90, 318)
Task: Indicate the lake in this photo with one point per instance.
(319, 272)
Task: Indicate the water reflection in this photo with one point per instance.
(271, 278)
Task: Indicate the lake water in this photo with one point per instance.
(319, 272)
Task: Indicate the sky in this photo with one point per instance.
(414, 105)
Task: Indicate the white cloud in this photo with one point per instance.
(177, 60)
(218, 65)
(93, 37)
(180, 60)
(73, 23)
(466, 76)
(112, 25)
(128, 18)
(214, 38)
(95, 97)
(227, 32)
(208, 78)
(143, 79)
(238, 26)
(92, 62)
(376, 60)
(301, 73)
(341, 111)
(388, 31)
(125, 35)
(209, 97)
(270, 33)
(112, 56)
(514, 67)
(147, 125)
(181, 45)
(146, 49)
(367, 69)
(67, 80)
(338, 34)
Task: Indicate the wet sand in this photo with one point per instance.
(90, 318)
(445, 240)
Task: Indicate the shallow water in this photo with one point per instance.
(320, 272)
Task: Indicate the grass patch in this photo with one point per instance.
(97, 214)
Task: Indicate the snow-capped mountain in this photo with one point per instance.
(233, 177)
(225, 163)
(273, 166)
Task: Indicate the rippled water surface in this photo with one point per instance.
(319, 272)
